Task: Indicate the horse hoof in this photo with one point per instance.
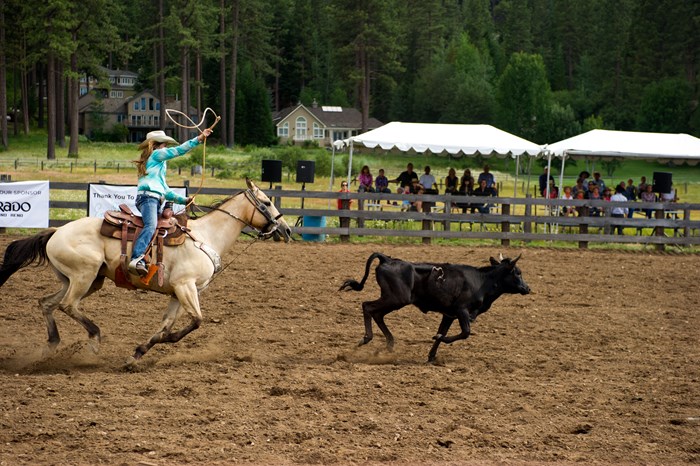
(94, 345)
(131, 363)
(49, 350)
(364, 341)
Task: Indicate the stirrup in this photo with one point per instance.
(138, 266)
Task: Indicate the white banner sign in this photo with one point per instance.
(24, 204)
(104, 197)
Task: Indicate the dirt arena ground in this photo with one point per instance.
(600, 365)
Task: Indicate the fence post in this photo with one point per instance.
(659, 231)
(583, 227)
(527, 226)
(686, 218)
(448, 210)
(277, 200)
(505, 225)
(360, 206)
(344, 221)
(427, 224)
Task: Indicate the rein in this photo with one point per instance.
(260, 207)
(193, 125)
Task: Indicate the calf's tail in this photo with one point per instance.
(24, 252)
(358, 286)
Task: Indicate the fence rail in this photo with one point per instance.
(510, 219)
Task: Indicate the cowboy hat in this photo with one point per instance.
(159, 136)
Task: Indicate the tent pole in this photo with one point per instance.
(546, 189)
(529, 172)
(350, 163)
(517, 169)
(561, 175)
(332, 182)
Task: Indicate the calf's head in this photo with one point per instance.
(511, 281)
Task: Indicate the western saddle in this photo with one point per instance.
(124, 225)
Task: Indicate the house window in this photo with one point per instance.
(300, 133)
(136, 105)
(155, 120)
(143, 103)
(283, 130)
(133, 120)
(150, 103)
(116, 94)
(318, 131)
(158, 106)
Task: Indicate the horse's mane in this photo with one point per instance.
(218, 203)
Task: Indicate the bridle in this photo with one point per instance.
(270, 227)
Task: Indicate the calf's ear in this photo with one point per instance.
(494, 261)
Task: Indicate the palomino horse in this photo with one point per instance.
(82, 258)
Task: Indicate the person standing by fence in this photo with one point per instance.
(344, 203)
(617, 211)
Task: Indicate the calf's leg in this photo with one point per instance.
(463, 319)
(442, 331)
(376, 310)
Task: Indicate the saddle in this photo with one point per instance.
(124, 225)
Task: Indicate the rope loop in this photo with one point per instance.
(199, 126)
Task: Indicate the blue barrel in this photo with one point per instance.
(313, 221)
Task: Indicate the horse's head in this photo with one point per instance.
(267, 218)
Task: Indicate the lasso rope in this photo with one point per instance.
(193, 125)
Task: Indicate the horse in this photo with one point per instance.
(82, 258)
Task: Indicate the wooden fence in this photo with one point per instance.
(510, 219)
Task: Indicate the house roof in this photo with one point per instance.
(113, 105)
(118, 105)
(331, 117)
(117, 72)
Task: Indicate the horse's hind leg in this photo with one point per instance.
(77, 289)
(48, 304)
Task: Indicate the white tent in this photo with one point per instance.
(600, 144)
(457, 140)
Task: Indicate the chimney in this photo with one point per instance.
(314, 104)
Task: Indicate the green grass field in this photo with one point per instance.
(23, 161)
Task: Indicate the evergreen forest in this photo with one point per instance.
(544, 70)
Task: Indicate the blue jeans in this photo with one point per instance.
(149, 207)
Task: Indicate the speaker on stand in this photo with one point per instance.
(272, 171)
(662, 182)
(306, 170)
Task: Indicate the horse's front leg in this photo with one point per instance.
(186, 299)
(166, 325)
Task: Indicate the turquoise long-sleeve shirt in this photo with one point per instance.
(156, 169)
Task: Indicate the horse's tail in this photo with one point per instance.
(24, 252)
(358, 286)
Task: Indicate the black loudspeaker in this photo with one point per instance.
(272, 171)
(662, 182)
(305, 171)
